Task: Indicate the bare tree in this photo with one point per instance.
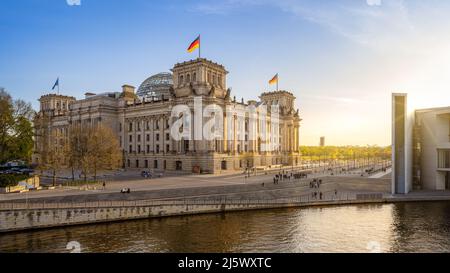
(104, 150)
(54, 156)
(93, 149)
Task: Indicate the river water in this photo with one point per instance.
(408, 227)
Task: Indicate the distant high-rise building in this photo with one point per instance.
(322, 141)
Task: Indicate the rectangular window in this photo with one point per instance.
(131, 149)
(217, 145)
(148, 148)
(157, 149)
(155, 164)
(130, 127)
(167, 136)
(139, 138)
(157, 137)
(131, 138)
(444, 159)
(148, 137)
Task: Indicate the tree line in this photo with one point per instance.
(344, 152)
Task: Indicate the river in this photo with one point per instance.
(403, 227)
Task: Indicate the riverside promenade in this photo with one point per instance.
(61, 209)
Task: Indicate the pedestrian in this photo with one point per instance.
(321, 195)
(104, 185)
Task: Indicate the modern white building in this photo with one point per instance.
(420, 147)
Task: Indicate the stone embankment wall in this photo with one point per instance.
(20, 216)
(24, 219)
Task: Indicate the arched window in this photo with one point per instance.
(194, 77)
(188, 78)
(181, 80)
(220, 81)
(209, 77)
(214, 79)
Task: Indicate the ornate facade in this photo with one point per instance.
(142, 122)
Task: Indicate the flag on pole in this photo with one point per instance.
(56, 84)
(194, 45)
(274, 80)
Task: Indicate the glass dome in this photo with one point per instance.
(156, 86)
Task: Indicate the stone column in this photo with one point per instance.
(163, 134)
(225, 133)
(234, 134)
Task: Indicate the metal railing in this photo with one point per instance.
(327, 197)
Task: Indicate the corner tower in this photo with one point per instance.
(199, 77)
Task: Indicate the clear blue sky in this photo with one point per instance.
(341, 59)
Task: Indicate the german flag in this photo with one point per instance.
(274, 80)
(194, 45)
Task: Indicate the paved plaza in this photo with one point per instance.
(234, 186)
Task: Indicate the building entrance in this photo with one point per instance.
(179, 166)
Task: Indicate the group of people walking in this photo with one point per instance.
(315, 183)
(281, 176)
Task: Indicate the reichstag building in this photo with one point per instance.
(141, 119)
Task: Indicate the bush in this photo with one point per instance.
(11, 180)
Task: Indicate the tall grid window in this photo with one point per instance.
(444, 159)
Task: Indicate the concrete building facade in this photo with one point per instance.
(421, 147)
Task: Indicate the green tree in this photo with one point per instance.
(16, 131)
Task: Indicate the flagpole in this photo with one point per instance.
(58, 85)
(278, 79)
(200, 46)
